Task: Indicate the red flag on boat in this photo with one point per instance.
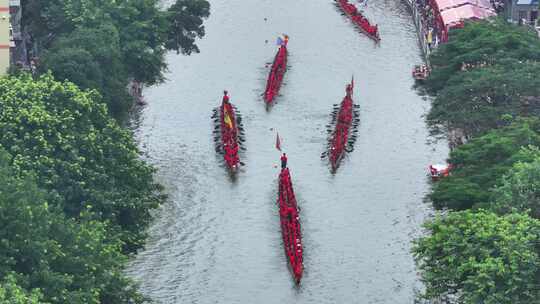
(278, 142)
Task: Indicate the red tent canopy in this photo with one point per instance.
(455, 16)
(447, 4)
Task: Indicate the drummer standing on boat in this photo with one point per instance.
(348, 89)
(283, 161)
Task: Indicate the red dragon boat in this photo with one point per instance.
(359, 20)
(345, 122)
(229, 133)
(277, 72)
(290, 225)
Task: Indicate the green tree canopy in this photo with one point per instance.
(481, 42)
(91, 58)
(185, 24)
(58, 259)
(480, 164)
(78, 152)
(478, 100)
(128, 39)
(520, 189)
(74, 63)
(11, 293)
(479, 257)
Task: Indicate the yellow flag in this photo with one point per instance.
(227, 119)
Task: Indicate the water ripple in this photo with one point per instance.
(217, 240)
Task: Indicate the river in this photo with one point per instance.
(217, 240)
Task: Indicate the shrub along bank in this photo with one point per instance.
(486, 249)
(75, 197)
(104, 44)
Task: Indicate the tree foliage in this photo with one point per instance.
(59, 260)
(484, 81)
(520, 189)
(478, 100)
(78, 153)
(479, 42)
(185, 24)
(479, 257)
(126, 39)
(12, 293)
(91, 58)
(480, 164)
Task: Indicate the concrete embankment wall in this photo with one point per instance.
(420, 28)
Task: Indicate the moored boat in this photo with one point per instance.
(439, 171)
(349, 9)
(420, 72)
(343, 135)
(290, 225)
(228, 133)
(277, 72)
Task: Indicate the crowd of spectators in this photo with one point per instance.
(498, 5)
(431, 28)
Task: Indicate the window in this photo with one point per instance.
(522, 17)
(534, 16)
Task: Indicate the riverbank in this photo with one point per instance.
(74, 191)
(492, 193)
(421, 29)
(76, 196)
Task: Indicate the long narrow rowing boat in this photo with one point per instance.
(229, 132)
(345, 122)
(359, 20)
(275, 78)
(290, 225)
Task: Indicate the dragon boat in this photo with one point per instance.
(277, 72)
(342, 129)
(290, 225)
(349, 9)
(228, 133)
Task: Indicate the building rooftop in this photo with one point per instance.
(457, 15)
(449, 4)
(527, 2)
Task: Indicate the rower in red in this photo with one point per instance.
(283, 161)
(225, 97)
(349, 89)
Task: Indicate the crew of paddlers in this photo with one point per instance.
(344, 122)
(290, 222)
(356, 16)
(229, 133)
(342, 130)
(277, 71)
